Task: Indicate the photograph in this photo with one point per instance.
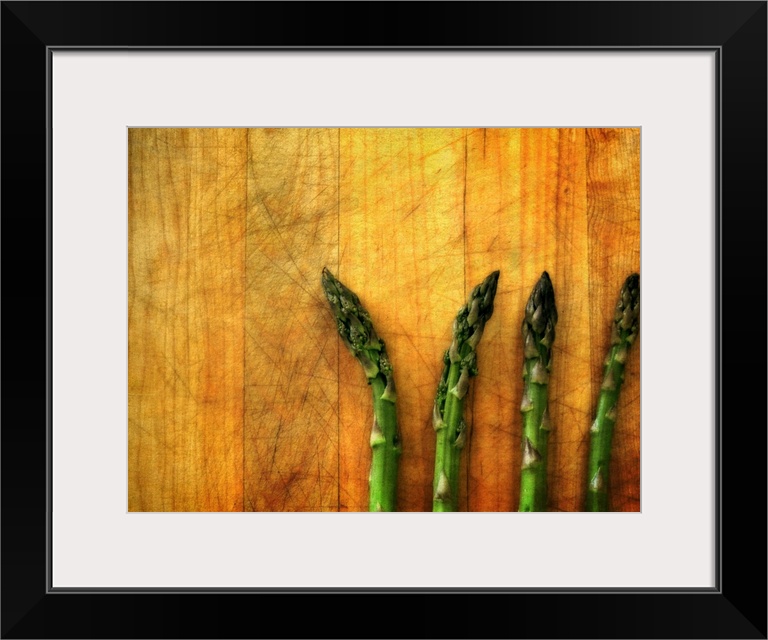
(384, 319)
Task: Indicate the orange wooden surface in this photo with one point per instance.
(186, 226)
(241, 396)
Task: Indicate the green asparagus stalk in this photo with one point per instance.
(538, 336)
(459, 364)
(358, 334)
(626, 323)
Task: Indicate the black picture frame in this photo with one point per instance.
(736, 608)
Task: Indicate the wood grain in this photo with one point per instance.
(241, 396)
(185, 321)
(291, 357)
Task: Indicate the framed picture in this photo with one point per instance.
(189, 162)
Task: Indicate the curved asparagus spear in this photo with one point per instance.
(538, 336)
(459, 364)
(626, 323)
(357, 332)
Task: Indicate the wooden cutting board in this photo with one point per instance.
(241, 396)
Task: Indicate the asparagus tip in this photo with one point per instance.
(354, 325)
(544, 288)
(541, 307)
(327, 278)
(627, 314)
(540, 320)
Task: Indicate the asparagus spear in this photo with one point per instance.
(357, 332)
(459, 364)
(626, 323)
(538, 336)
